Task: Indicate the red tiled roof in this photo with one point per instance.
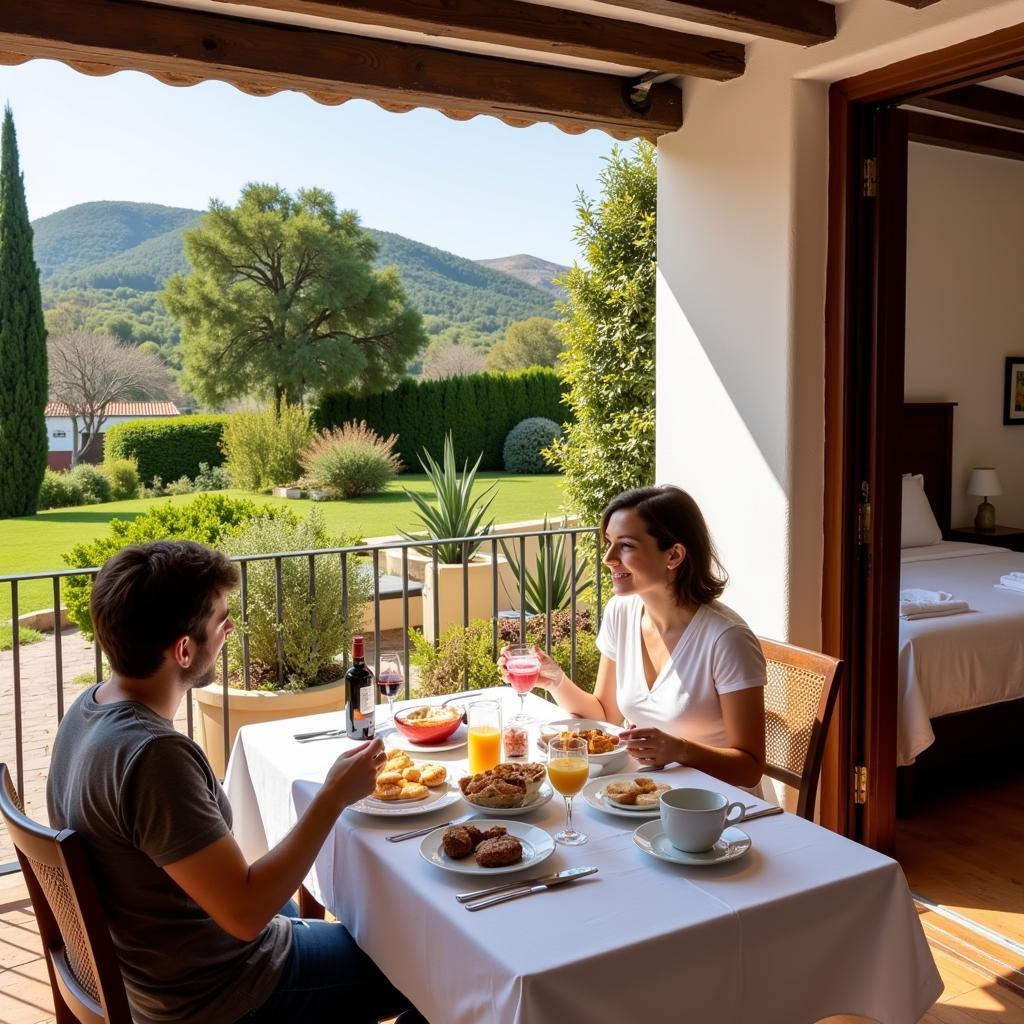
(122, 409)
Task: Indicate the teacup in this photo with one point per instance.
(693, 819)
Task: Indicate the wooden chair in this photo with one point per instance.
(799, 699)
(84, 972)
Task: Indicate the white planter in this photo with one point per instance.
(287, 492)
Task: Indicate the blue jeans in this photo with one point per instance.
(328, 978)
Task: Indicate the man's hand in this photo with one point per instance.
(354, 774)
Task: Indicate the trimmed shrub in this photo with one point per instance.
(352, 458)
(478, 410)
(123, 475)
(208, 518)
(442, 669)
(262, 449)
(314, 632)
(59, 490)
(211, 478)
(170, 448)
(93, 482)
(180, 486)
(525, 444)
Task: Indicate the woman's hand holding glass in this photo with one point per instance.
(549, 673)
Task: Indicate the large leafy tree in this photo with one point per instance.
(534, 342)
(609, 363)
(23, 440)
(283, 299)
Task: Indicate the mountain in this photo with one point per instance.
(103, 264)
(531, 269)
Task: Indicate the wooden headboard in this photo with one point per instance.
(928, 449)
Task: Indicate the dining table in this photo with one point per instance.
(805, 924)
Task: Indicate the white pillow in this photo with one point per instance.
(919, 526)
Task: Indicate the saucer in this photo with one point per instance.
(651, 838)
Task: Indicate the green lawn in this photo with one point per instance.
(36, 543)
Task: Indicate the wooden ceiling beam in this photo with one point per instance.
(805, 22)
(254, 54)
(975, 102)
(916, 4)
(964, 136)
(544, 30)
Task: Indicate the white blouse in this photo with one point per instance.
(716, 654)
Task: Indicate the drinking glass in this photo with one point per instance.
(568, 768)
(484, 735)
(390, 677)
(522, 670)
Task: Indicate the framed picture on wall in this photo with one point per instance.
(1013, 397)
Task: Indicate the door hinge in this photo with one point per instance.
(860, 784)
(870, 176)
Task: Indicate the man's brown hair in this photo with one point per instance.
(671, 516)
(147, 597)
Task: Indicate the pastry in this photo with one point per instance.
(457, 842)
(433, 774)
(499, 852)
(531, 772)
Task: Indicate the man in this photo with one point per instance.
(196, 928)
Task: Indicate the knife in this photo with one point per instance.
(541, 886)
(766, 813)
(323, 734)
(559, 876)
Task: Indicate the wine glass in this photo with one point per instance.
(390, 677)
(568, 769)
(522, 670)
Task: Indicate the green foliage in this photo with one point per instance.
(588, 657)
(533, 342)
(94, 484)
(351, 458)
(123, 475)
(525, 445)
(457, 512)
(25, 636)
(23, 435)
(84, 485)
(262, 449)
(59, 490)
(167, 448)
(609, 365)
(283, 299)
(211, 478)
(588, 660)
(313, 632)
(209, 519)
(461, 651)
(478, 412)
(536, 597)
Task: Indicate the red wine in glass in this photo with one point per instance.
(389, 684)
(390, 677)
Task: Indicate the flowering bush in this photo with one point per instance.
(352, 458)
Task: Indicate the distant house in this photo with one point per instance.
(60, 430)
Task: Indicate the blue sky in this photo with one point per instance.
(476, 188)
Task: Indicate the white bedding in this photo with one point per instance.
(958, 662)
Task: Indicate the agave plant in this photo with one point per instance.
(536, 598)
(456, 513)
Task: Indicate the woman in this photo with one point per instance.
(683, 669)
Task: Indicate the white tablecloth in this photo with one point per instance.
(806, 925)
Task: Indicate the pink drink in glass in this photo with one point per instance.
(523, 672)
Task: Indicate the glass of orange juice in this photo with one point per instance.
(484, 735)
(568, 768)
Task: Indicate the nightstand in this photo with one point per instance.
(1011, 537)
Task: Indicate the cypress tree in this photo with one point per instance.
(23, 372)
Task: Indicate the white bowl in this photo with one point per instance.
(610, 762)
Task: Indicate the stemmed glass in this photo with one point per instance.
(568, 769)
(522, 671)
(390, 677)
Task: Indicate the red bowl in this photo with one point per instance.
(432, 732)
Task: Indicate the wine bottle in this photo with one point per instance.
(359, 695)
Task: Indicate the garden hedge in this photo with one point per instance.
(169, 448)
(479, 410)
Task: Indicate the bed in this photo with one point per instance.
(961, 677)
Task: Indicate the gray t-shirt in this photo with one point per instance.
(143, 795)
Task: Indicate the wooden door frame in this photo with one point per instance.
(853, 403)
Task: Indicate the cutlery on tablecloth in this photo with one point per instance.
(559, 876)
(766, 813)
(323, 734)
(402, 836)
(563, 876)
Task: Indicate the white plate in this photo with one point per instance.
(436, 798)
(733, 844)
(401, 742)
(611, 761)
(537, 846)
(539, 799)
(593, 794)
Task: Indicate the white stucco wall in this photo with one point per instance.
(742, 222)
(965, 310)
(56, 424)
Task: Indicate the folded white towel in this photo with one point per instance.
(1012, 580)
(918, 596)
(1016, 576)
(911, 610)
(1005, 584)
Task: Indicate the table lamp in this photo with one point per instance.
(984, 483)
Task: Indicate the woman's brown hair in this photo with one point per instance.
(671, 516)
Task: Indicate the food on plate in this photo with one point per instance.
(400, 779)
(499, 852)
(515, 741)
(531, 772)
(461, 840)
(638, 792)
(404, 791)
(425, 715)
(397, 760)
(390, 778)
(598, 741)
(433, 775)
(427, 723)
(504, 785)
